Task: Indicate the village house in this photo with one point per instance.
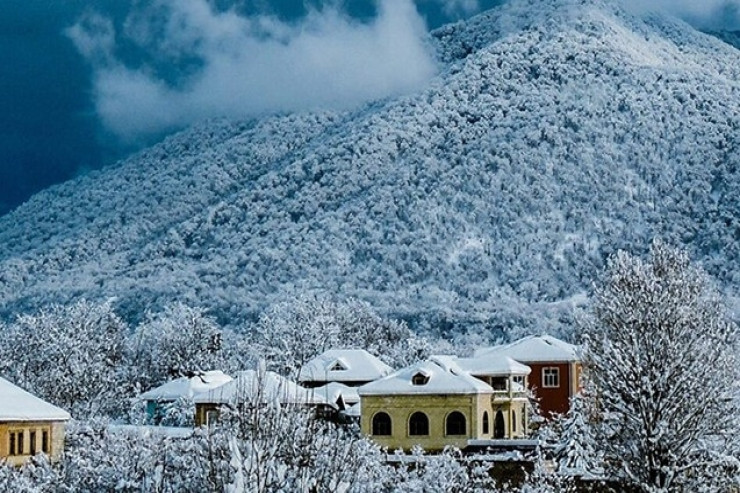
(344, 398)
(29, 425)
(555, 365)
(508, 379)
(183, 388)
(256, 388)
(351, 367)
(434, 404)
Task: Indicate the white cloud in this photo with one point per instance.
(459, 7)
(251, 66)
(720, 14)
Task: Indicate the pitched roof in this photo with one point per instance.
(332, 391)
(261, 387)
(18, 405)
(441, 374)
(187, 387)
(343, 365)
(535, 349)
(493, 365)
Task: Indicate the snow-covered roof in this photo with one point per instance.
(343, 365)
(333, 390)
(535, 349)
(354, 410)
(18, 405)
(187, 387)
(437, 375)
(493, 365)
(261, 387)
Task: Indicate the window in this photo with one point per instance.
(551, 377)
(455, 424)
(19, 443)
(513, 420)
(338, 366)
(524, 417)
(420, 379)
(486, 423)
(418, 424)
(518, 379)
(45, 441)
(499, 426)
(11, 443)
(499, 383)
(211, 417)
(382, 424)
(32, 442)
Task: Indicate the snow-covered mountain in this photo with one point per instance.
(556, 132)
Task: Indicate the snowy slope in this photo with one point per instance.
(556, 132)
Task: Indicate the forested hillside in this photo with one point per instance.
(556, 132)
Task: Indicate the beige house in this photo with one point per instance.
(433, 404)
(508, 379)
(29, 425)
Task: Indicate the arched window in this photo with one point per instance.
(513, 420)
(418, 424)
(486, 423)
(455, 424)
(382, 424)
(499, 426)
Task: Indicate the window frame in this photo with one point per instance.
(46, 441)
(32, 442)
(548, 373)
(414, 424)
(464, 424)
(373, 426)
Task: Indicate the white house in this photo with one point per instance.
(181, 388)
(254, 388)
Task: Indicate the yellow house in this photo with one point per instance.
(508, 379)
(434, 403)
(29, 425)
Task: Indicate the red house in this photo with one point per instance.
(555, 364)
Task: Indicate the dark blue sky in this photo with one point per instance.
(49, 130)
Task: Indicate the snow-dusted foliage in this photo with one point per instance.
(557, 132)
(662, 357)
(576, 450)
(176, 342)
(73, 356)
(290, 333)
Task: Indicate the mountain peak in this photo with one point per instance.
(557, 132)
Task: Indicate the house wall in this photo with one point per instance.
(437, 408)
(516, 421)
(56, 439)
(554, 400)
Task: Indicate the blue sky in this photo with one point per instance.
(85, 82)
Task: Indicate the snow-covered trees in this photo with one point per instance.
(291, 333)
(661, 354)
(177, 342)
(73, 356)
(575, 449)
